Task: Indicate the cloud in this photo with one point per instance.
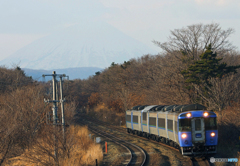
(136, 4)
(144, 20)
(223, 3)
(47, 16)
(41, 16)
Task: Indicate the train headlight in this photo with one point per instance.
(212, 134)
(184, 135)
(205, 114)
(189, 115)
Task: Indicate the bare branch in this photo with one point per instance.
(194, 38)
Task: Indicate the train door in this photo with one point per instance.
(148, 121)
(198, 130)
(141, 121)
(132, 120)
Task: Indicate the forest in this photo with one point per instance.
(198, 64)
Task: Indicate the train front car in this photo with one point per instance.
(198, 132)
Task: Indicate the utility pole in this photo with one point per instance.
(62, 108)
(54, 99)
(54, 109)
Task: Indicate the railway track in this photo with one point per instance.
(196, 161)
(155, 156)
(137, 155)
(122, 130)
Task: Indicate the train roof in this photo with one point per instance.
(139, 107)
(169, 108)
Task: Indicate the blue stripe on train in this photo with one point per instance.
(152, 126)
(161, 128)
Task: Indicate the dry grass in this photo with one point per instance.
(80, 150)
(84, 151)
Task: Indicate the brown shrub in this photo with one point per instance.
(103, 113)
(22, 115)
(115, 105)
(94, 99)
(79, 150)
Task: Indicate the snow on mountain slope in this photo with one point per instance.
(91, 44)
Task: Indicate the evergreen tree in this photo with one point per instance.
(207, 67)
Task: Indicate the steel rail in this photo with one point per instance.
(137, 147)
(140, 149)
(98, 133)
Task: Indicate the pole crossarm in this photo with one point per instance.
(55, 75)
(62, 101)
(52, 101)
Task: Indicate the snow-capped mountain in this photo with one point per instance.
(91, 44)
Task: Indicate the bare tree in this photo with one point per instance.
(22, 115)
(222, 92)
(193, 39)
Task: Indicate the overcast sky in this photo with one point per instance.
(23, 21)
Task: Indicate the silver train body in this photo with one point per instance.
(193, 135)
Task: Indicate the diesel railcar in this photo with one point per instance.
(190, 128)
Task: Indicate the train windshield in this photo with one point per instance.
(210, 123)
(184, 124)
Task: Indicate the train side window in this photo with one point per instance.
(161, 123)
(128, 118)
(185, 124)
(198, 125)
(152, 121)
(144, 116)
(135, 119)
(170, 124)
(176, 126)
